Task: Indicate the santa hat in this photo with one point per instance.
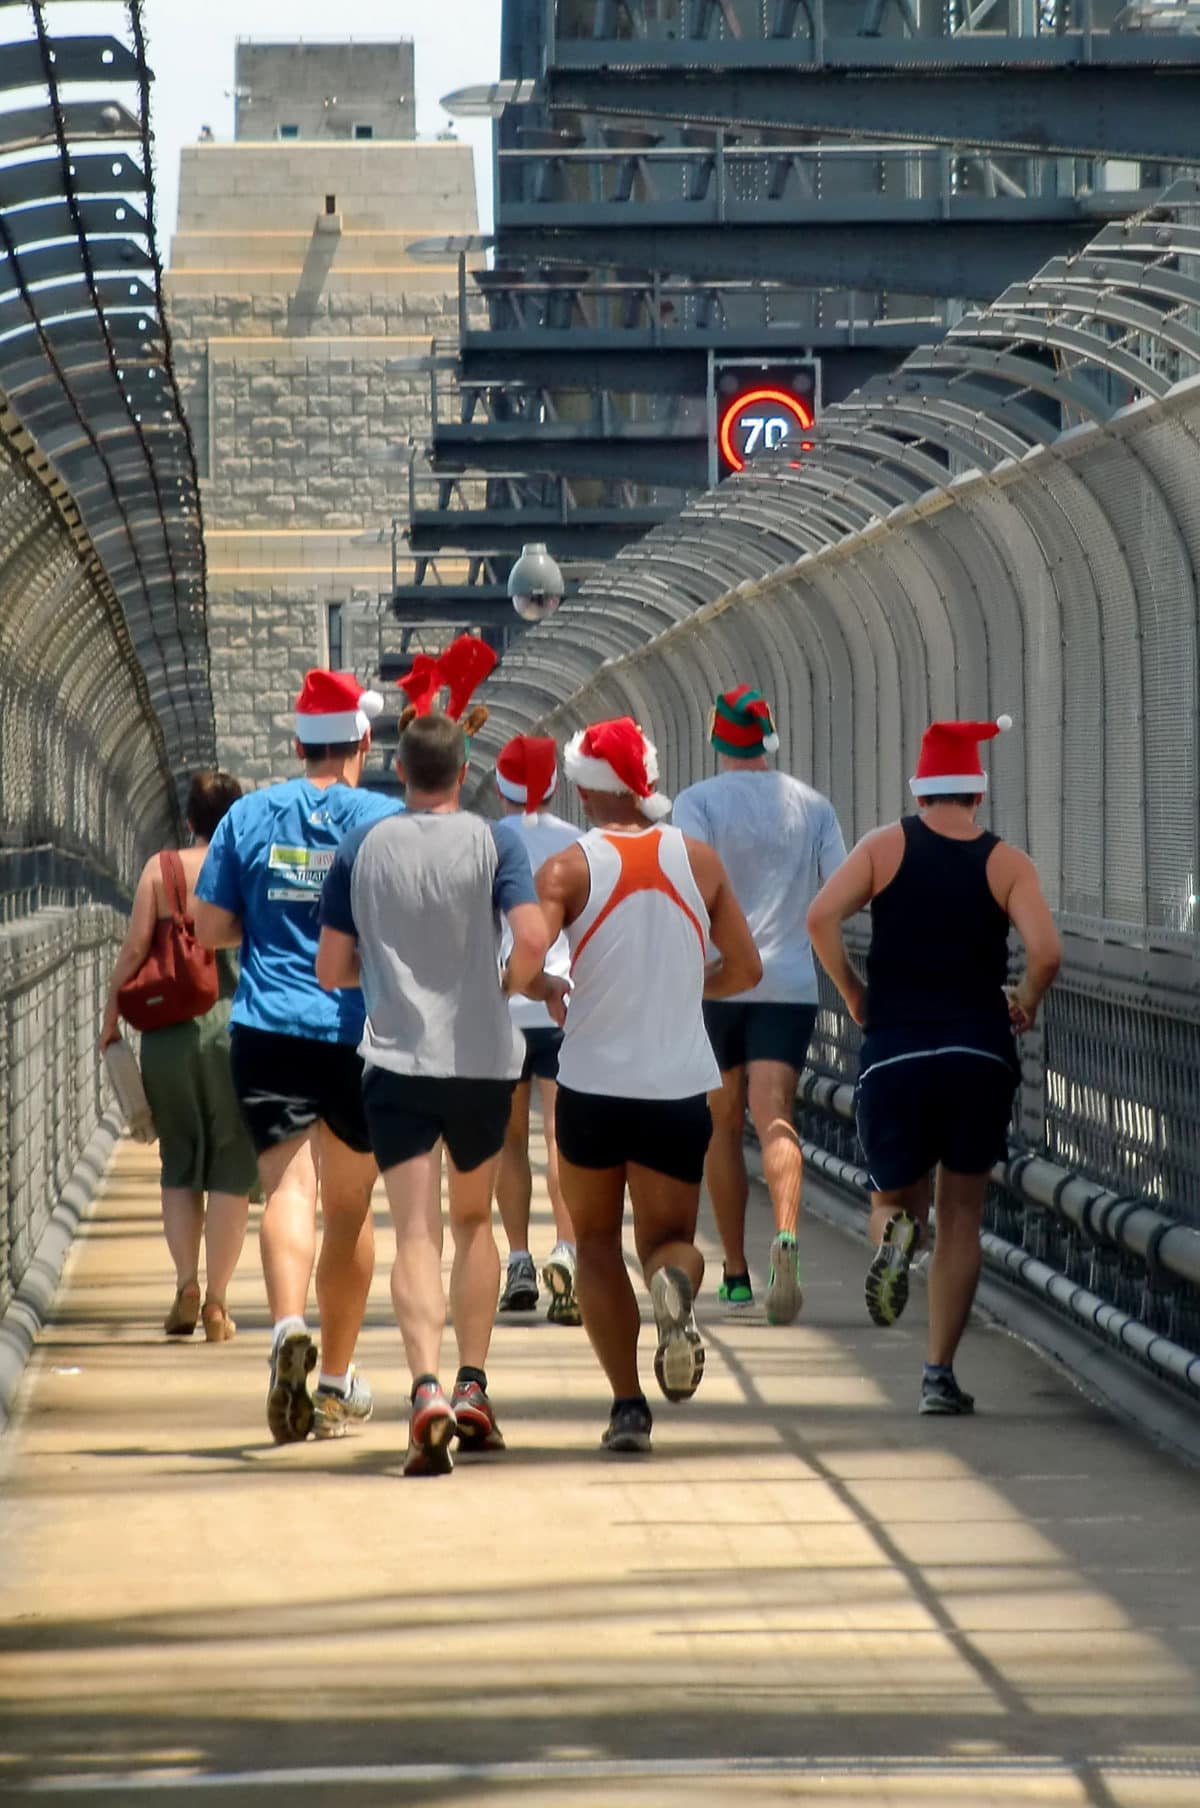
(741, 724)
(463, 666)
(334, 707)
(949, 764)
(527, 771)
(616, 756)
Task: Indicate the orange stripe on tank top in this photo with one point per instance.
(641, 871)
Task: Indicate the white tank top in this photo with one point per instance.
(635, 1028)
(544, 836)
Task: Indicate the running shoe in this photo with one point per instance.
(887, 1277)
(679, 1358)
(628, 1430)
(430, 1430)
(942, 1394)
(735, 1289)
(334, 1412)
(784, 1294)
(477, 1427)
(289, 1407)
(558, 1278)
(520, 1286)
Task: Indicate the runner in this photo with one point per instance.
(780, 841)
(527, 778)
(938, 1067)
(293, 1051)
(639, 903)
(415, 900)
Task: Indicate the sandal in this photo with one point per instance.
(181, 1319)
(218, 1326)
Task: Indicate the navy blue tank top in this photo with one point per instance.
(939, 940)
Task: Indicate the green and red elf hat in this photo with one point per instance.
(741, 725)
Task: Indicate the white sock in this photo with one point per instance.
(339, 1383)
(566, 1244)
(518, 1255)
(280, 1329)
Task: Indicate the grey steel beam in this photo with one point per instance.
(649, 372)
(950, 258)
(47, 263)
(657, 456)
(24, 127)
(75, 60)
(1051, 102)
(487, 605)
(584, 533)
(837, 209)
(775, 340)
(95, 174)
(98, 215)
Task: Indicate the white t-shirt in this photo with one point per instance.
(544, 835)
(779, 841)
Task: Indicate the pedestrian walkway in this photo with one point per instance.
(808, 1594)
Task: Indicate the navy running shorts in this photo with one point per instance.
(670, 1136)
(918, 1108)
(541, 1054)
(286, 1084)
(741, 1032)
(407, 1113)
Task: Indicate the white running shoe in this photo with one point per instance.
(558, 1278)
(679, 1358)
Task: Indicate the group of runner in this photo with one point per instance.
(410, 971)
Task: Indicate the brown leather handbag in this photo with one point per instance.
(178, 979)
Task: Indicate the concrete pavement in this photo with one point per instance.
(806, 1594)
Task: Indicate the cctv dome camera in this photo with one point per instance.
(535, 583)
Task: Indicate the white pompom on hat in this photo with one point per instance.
(334, 707)
(616, 756)
(949, 764)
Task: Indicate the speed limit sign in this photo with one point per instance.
(757, 409)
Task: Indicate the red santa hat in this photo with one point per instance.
(949, 764)
(616, 756)
(527, 771)
(334, 707)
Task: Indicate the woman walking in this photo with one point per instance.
(203, 1144)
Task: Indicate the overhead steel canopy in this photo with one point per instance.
(85, 351)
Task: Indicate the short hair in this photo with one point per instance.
(433, 751)
(966, 798)
(328, 750)
(210, 795)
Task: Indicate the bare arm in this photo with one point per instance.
(843, 895)
(739, 967)
(562, 888)
(337, 963)
(133, 950)
(530, 941)
(215, 927)
(1030, 916)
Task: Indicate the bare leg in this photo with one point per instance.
(913, 1199)
(224, 1234)
(183, 1227)
(954, 1270)
(595, 1200)
(475, 1275)
(564, 1230)
(414, 1190)
(664, 1223)
(347, 1261)
(514, 1180)
(287, 1233)
(725, 1167)
(771, 1095)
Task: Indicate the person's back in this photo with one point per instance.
(779, 840)
(542, 834)
(421, 897)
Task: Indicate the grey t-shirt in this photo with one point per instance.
(423, 893)
(779, 840)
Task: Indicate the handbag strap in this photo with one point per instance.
(174, 882)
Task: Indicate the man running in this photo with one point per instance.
(639, 903)
(938, 1068)
(527, 778)
(411, 911)
(780, 841)
(296, 1070)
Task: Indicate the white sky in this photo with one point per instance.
(191, 48)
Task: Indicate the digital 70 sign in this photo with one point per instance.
(758, 408)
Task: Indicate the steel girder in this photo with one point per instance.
(651, 452)
(591, 534)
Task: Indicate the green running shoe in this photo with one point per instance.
(887, 1277)
(735, 1290)
(784, 1294)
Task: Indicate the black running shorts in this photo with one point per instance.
(595, 1130)
(744, 1032)
(286, 1084)
(920, 1107)
(541, 1054)
(407, 1113)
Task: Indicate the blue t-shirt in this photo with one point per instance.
(267, 863)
